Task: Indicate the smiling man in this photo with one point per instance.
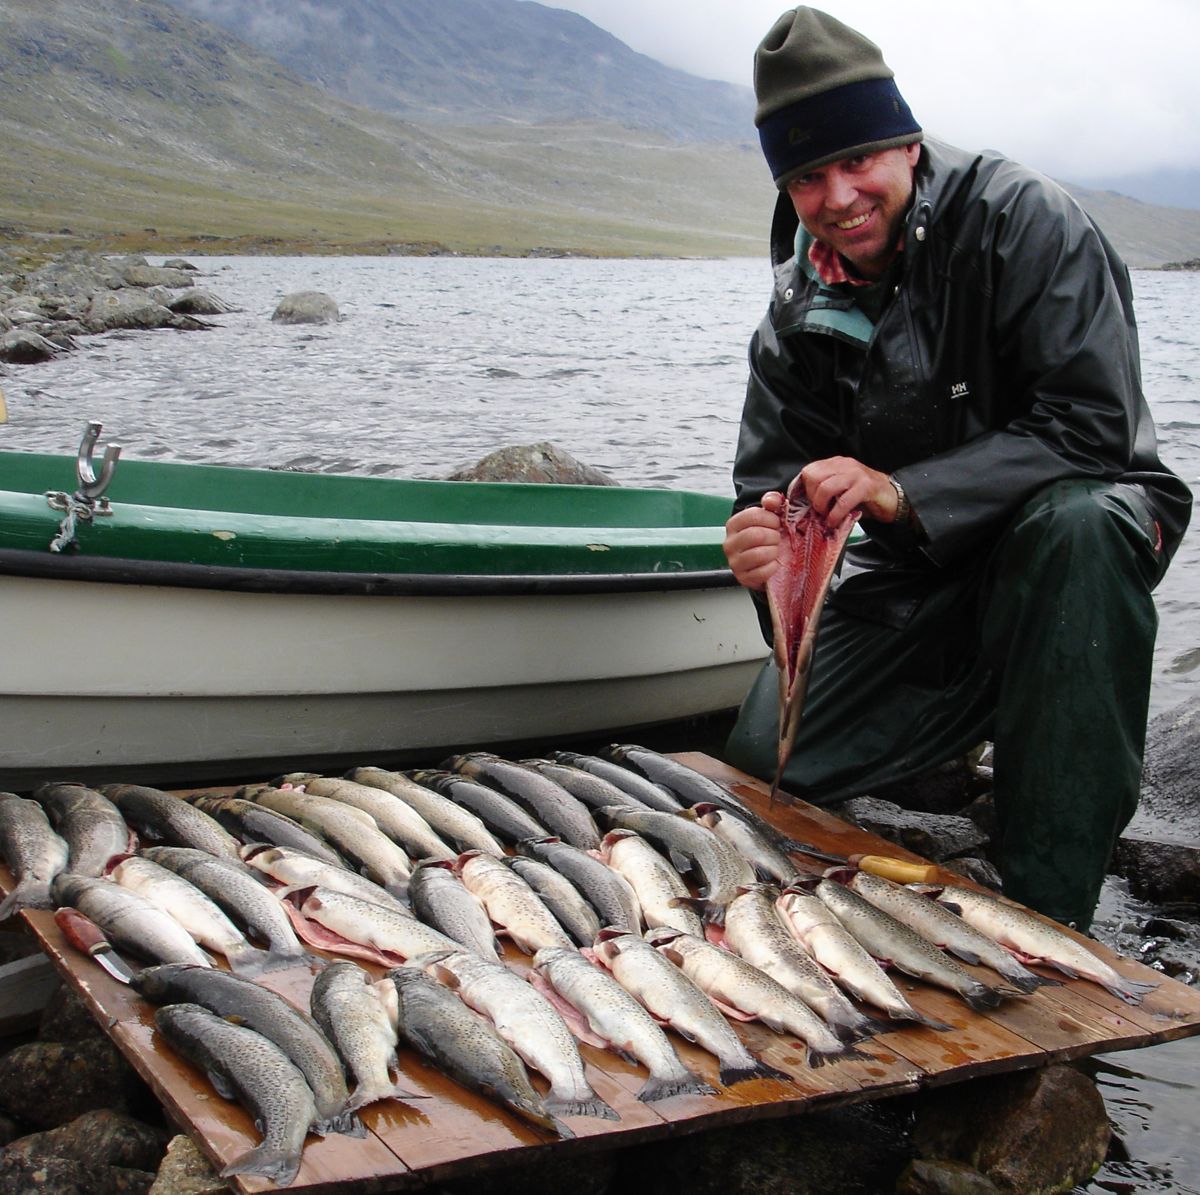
(951, 350)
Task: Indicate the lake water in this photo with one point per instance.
(634, 367)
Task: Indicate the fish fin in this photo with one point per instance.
(269, 1162)
(712, 914)
(658, 1088)
(221, 1085)
(590, 1107)
(365, 1095)
(344, 1122)
(743, 1074)
(564, 1132)
(982, 998)
(967, 956)
(1131, 991)
(919, 1018)
(1031, 982)
(1069, 972)
(251, 962)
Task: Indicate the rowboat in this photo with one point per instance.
(166, 620)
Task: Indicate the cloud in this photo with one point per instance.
(1071, 87)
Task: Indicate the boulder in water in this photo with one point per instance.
(542, 462)
(306, 307)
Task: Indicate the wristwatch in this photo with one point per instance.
(903, 506)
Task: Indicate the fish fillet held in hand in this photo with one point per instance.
(808, 554)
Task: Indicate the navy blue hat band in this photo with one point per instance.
(860, 117)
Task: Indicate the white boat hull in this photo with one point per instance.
(130, 680)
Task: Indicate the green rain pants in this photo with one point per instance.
(1043, 646)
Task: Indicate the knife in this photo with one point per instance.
(899, 870)
(86, 935)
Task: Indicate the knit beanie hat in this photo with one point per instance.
(824, 93)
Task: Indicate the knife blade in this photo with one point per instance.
(85, 935)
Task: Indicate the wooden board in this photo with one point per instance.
(455, 1132)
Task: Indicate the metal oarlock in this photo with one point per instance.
(86, 502)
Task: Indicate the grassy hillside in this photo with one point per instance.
(131, 126)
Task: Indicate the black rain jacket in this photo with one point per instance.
(1005, 359)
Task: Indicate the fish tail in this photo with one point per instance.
(982, 998)
(757, 1070)
(269, 1161)
(26, 895)
(660, 1087)
(343, 1121)
(593, 1106)
(365, 1095)
(249, 961)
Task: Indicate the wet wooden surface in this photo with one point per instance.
(455, 1132)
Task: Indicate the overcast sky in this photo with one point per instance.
(1079, 89)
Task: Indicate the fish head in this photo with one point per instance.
(841, 874)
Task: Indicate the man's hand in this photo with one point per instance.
(752, 542)
(840, 484)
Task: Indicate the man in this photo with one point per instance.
(950, 349)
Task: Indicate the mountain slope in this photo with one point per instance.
(119, 117)
(481, 62)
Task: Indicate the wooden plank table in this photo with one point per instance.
(455, 1132)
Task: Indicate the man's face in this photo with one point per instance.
(855, 205)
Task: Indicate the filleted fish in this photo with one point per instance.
(572, 911)
(609, 1016)
(529, 1023)
(294, 869)
(249, 903)
(89, 823)
(561, 813)
(353, 833)
(1038, 940)
(31, 850)
(723, 871)
(511, 903)
(159, 817)
(255, 824)
(670, 996)
(649, 794)
(463, 1045)
(441, 899)
(128, 920)
(754, 930)
(606, 890)
(400, 822)
(199, 915)
(661, 892)
(344, 1003)
(244, 1066)
(813, 925)
(894, 943)
(258, 1008)
(735, 984)
(452, 822)
(501, 815)
(336, 921)
(943, 928)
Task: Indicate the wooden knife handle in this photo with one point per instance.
(896, 869)
(83, 933)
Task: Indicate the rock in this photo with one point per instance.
(199, 302)
(944, 790)
(147, 276)
(938, 1177)
(979, 870)
(66, 1019)
(936, 836)
(179, 263)
(125, 308)
(10, 1130)
(20, 347)
(1029, 1133)
(62, 1176)
(542, 462)
(186, 1171)
(102, 1137)
(306, 307)
(76, 273)
(852, 1151)
(1162, 872)
(48, 1084)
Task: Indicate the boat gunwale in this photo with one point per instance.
(171, 574)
